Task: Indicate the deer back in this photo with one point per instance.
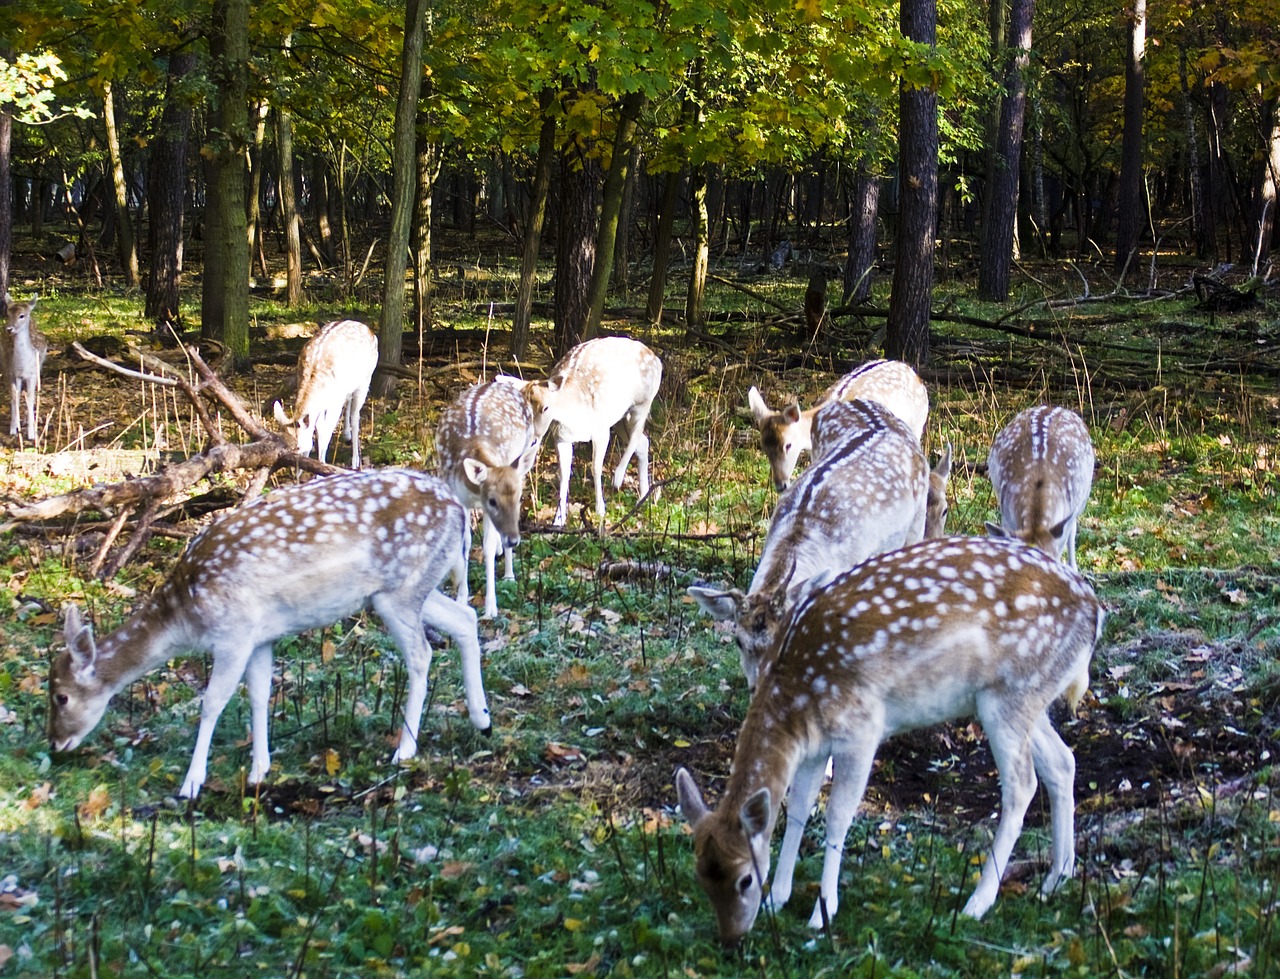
(335, 364)
(892, 383)
(593, 386)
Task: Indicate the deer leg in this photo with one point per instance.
(509, 564)
(850, 773)
(228, 667)
(460, 571)
(492, 542)
(399, 612)
(15, 402)
(33, 391)
(355, 404)
(599, 446)
(1010, 740)
(565, 452)
(1056, 766)
(257, 677)
(459, 622)
(1071, 542)
(800, 800)
(637, 444)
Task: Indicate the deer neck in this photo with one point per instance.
(768, 754)
(148, 638)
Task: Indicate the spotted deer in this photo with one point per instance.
(865, 493)
(334, 371)
(593, 387)
(23, 349)
(486, 445)
(1041, 465)
(935, 521)
(785, 434)
(941, 629)
(299, 558)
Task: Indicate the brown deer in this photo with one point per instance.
(941, 629)
(23, 349)
(486, 445)
(1041, 465)
(334, 371)
(299, 558)
(864, 494)
(785, 434)
(593, 387)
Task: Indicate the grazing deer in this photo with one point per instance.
(334, 370)
(486, 444)
(23, 349)
(942, 629)
(593, 387)
(864, 494)
(1041, 465)
(785, 434)
(298, 558)
(935, 521)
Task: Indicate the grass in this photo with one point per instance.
(553, 847)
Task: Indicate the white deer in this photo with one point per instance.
(785, 434)
(864, 494)
(299, 558)
(334, 371)
(593, 387)
(23, 349)
(1041, 465)
(942, 629)
(486, 445)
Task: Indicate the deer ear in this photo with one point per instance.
(721, 605)
(526, 461)
(476, 471)
(791, 413)
(33, 300)
(281, 418)
(691, 803)
(754, 813)
(995, 530)
(1060, 528)
(943, 469)
(554, 383)
(759, 410)
(78, 635)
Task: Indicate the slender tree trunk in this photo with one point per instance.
(615, 184)
(6, 199)
(626, 227)
(1131, 206)
(662, 247)
(429, 156)
(907, 328)
(166, 196)
(225, 294)
(391, 325)
(1267, 201)
(320, 199)
(579, 193)
(864, 208)
(289, 208)
(1201, 223)
(534, 221)
(999, 224)
(125, 241)
(257, 165)
(696, 296)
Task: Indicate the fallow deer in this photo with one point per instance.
(299, 558)
(593, 387)
(865, 493)
(486, 445)
(941, 629)
(1041, 465)
(935, 521)
(334, 370)
(785, 434)
(23, 349)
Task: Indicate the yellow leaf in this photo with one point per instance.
(97, 803)
(573, 924)
(332, 761)
(327, 649)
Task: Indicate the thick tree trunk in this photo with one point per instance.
(864, 207)
(907, 328)
(579, 192)
(534, 221)
(696, 296)
(662, 247)
(1131, 206)
(166, 196)
(225, 293)
(391, 324)
(125, 242)
(999, 222)
(615, 184)
(289, 208)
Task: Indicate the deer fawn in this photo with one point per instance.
(785, 434)
(1041, 465)
(334, 371)
(486, 444)
(940, 629)
(593, 387)
(299, 558)
(22, 352)
(864, 494)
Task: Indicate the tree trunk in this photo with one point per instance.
(1266, 217)
(166, 196)
(429, 156)
(257, 164)
(662, 247)
(693, 303)
(576, 223)
(391, 324)
(289, 208)
(615, 184)
(1131, 207)
(533, 224)
(225, 293)
(626, 227)
(998, 226)
(863, 210)
(320, 198)
(6, 199)
(907, 327)
(125, 241)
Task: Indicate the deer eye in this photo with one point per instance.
(744, 885)
(62, 699)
